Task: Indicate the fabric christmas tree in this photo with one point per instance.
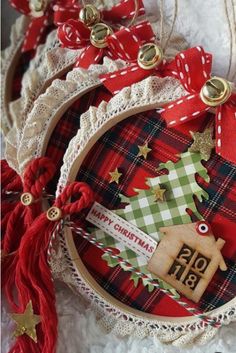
(148, 213)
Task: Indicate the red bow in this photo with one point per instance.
(60, 11)
(73, 34)
(193, 70)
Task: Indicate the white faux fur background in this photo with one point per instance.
(202, 22)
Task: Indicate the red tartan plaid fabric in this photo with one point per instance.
(68, 126)
(23, 65)
(118, 147)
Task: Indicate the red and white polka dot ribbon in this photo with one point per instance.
(193, 69)
(73, 34)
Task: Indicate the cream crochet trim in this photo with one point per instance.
(51, 105)
(8, 55)
(50, 62)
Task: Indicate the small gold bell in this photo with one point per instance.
(215, 91)
(37, 6)
(150, 55)
(99, 34)
(89, 15)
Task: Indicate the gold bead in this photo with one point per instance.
(27, 199)
(54, 214)
(89, 15)
(149, 56)
(37, 5)
(215, 91)
(99, 34)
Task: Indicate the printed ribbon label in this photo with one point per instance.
(121, 230)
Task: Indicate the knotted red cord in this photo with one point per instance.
(37, 175)
(33, 276)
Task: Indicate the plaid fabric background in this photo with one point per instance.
(118, 148)
(22, 66)
(68, 126)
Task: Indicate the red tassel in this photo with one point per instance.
(37, 175)
(33, 276)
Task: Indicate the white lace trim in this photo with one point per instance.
(113, 319)
(50, 62)
(51, 105)
(8, 55)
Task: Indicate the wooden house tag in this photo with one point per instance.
(187, 258)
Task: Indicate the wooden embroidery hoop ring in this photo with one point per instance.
(36, 133)
(73, 159)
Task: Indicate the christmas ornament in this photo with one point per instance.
(127, 120)
(203, 143)
(144, 150)
(115, 176)
(26, 322)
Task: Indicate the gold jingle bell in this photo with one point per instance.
(99, 34)
(149, 56)
(215, 91)
(89, 15)
(27, 199)
(54, 214)
(37, 6)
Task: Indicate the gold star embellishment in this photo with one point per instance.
(115, 176)
(26, 322)
(203, 143)
(144, 150)
(159, 193)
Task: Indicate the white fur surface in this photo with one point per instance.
(202, 22)
(79, 333)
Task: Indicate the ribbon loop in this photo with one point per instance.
(193, 68)
(125, 43)
(64, 11)
(73, 34)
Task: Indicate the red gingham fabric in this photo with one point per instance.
(118, 147)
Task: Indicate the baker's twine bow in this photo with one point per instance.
(56, 11)
(193, 69)
(74, 34)
(33, 276)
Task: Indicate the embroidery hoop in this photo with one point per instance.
(94, 123)
(50, 62)
(48, 105)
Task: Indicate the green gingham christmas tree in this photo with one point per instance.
(148, 214)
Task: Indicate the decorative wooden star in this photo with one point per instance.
(144, 150)
(159, 193)
(115, 176)
(26, 322)
(203, 143)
